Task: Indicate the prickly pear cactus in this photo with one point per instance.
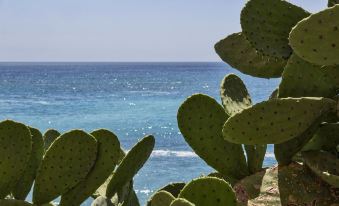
(234, 95)
(285, 151)
(200, 120)
(303, 79)
(107, 158)
(161, 198)
(325, 165)
(130, 165)
(285, 186)
(174, 188)
(66, 163)
(239, 53)
(255, 157)
(15, 152)
(325, 139)
(209, 191)
(126, 196)
(181, 202)
(315, 39)
(49, 137)
(101, 191)
(275, 121)
(267, 24)
(300, 118)
(235, 98)
(24, 184)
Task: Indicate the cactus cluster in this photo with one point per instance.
(301, 118)
(74, 166)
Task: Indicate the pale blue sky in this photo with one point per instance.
(119, 30)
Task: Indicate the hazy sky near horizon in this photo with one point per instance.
(119, 30)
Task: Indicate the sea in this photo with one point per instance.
(130, 99)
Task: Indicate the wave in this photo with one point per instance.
(171, 153)
(187, 154)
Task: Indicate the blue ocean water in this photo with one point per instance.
(131, 99)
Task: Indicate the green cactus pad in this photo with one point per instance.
(24, 184)
(49, 137)
(107, 158)
(275, 121)
(284, 186)
(174, 188)
(126, 196)
(303, 79)
(332, 3)
(66, 163)
(228, 179)
(181, 202)
(130, 165)
(285, 151)
(255, 157)
(209, 191)
(323, 164)
(101, 191)
(315, 39)
(102, 201)
(161, 198)
(200, 120)
(267, 24)
(8, 202)
(239, 53)
(234, 95)
(15, 152)
(325, 139)
(132, 199)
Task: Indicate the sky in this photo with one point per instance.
(119, 30)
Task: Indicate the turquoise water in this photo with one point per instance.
(131, 99)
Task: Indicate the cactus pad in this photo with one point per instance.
(174, 188)
(15, 151)
(161, 198)
(324, 164)
(275, 121)
(284, 186)
(325, 139)
(303, 79)
(234, 95)
(66, 163)
(267, 24)
(24, 185)
(285, 151)
(9, 202)
(209, 191)
(228, 179)
(181, 202)
(107, 158)
(49, 137)
(239, 53)
(130, 165)
(126, 196)
(200, 120)
(101, 191)
(255, 157)
(315, 39)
